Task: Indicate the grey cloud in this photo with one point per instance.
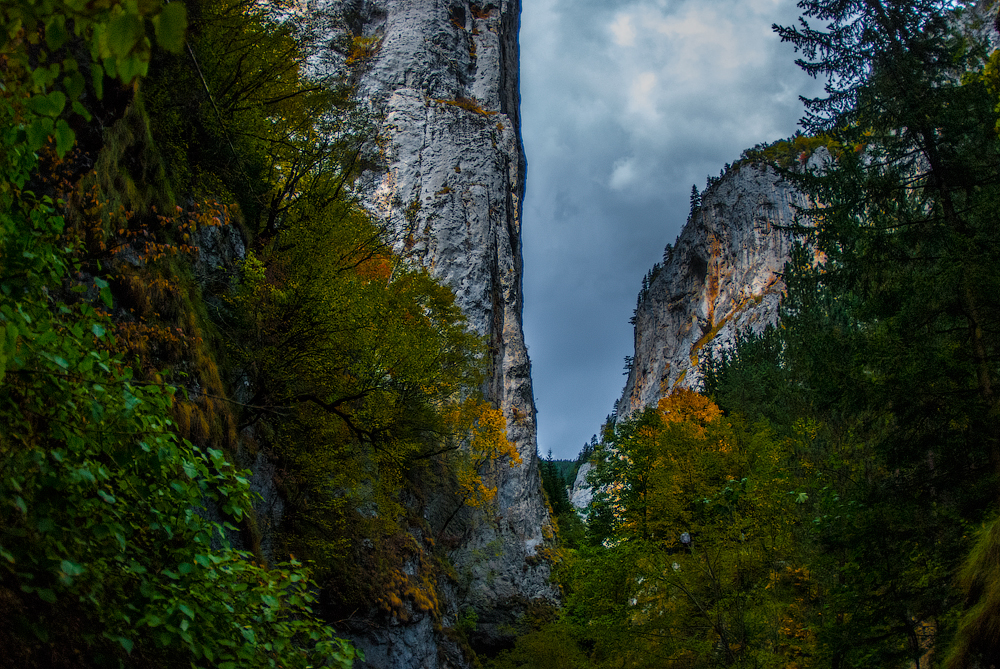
(587, 241)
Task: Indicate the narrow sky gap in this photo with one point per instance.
(625, 105)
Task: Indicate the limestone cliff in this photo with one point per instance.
(721, 277)
(580, 493)
(445, 75)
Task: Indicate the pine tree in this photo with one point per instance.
(894, 337)
(908, 222)
(695, 203)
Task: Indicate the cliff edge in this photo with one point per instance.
(444, 73)
(720, 278)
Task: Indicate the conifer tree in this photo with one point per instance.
(893, 335)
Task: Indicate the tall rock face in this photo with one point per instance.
(445, 75)
(721, 277)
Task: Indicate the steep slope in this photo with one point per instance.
(721, 277)
(445, 75)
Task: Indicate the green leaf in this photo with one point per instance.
(82, 111)
(111, 67)
(148, 591)
(47, 595)
(131, 67)
(97, 78)
(38, 132)
(72, 568)
(43, 77)
(74, 83)
(127, 644)
(48, 105)
(186, 610)
(65, 137)
(110, 499)
(106, 297)
(170, 27)
(55, 31)
(131, 401)
(98, 331)
(124, 32)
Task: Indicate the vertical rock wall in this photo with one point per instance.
(720, 278)
(445, 75)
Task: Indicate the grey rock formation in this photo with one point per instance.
(220, 248)
(582, 494)
(445, 75)
(412, 645)
(720, 278)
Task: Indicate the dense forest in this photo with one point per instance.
(197, 315)
(830, 498)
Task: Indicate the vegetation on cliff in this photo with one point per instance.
(134, 373)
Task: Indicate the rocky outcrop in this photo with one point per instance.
(445, 75)
(581, 494)
(721, 277)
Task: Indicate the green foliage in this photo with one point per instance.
(362, 379)
(361, 364)
(752, 378)
(554, 485)
(977, 640)
(468, 621)
(553, 646)
(109, 551)
(692, 558)
(251, 127)
(792, 152)
(555, 474)
(41, 56)
(102, 528)
(884, 365)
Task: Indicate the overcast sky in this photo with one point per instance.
(626, 104)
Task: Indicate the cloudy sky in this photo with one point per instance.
(626, 104)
